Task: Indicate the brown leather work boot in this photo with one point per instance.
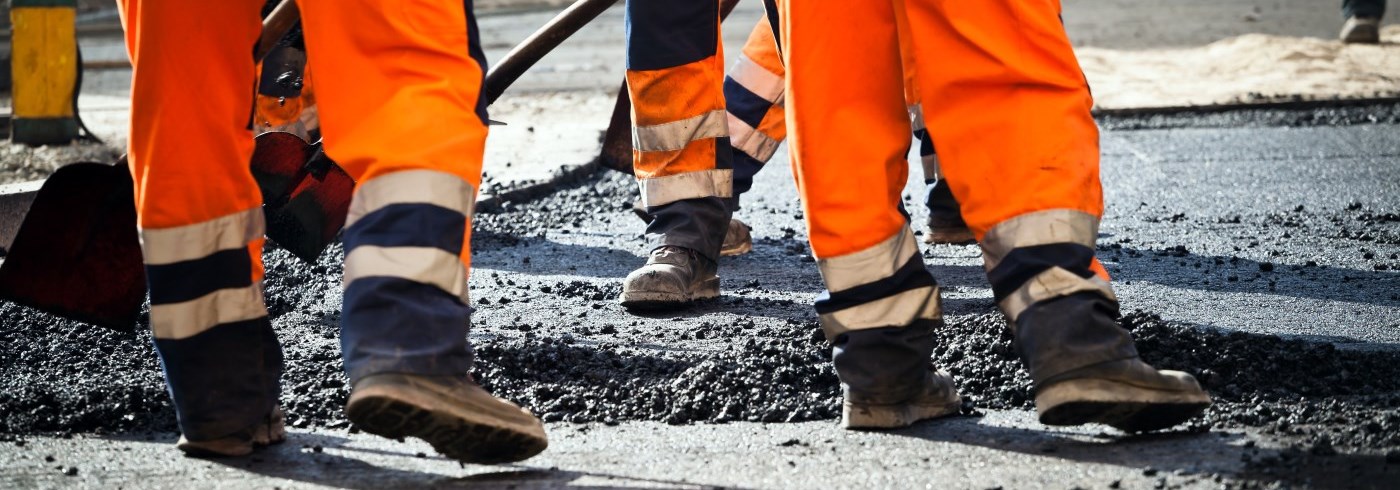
(459, 418)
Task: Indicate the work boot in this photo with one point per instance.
(271, 430)
(1086, 369)
(673, 276)
(455, 415)
(737, 240)
(1361, 30)
(886, 380)
(938, 398)
(945, 221)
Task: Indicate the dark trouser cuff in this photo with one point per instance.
(1062, 334)
(393, 325)
(223, 380)
(1363, 8)
(940, 201)
(884, 365)
(698, 224)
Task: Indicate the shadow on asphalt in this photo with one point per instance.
(1178, 453)
(296, 461)
(1217, 273)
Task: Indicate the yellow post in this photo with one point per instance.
(44, 69)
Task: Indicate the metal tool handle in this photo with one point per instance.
(544, 40)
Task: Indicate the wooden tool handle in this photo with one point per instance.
(283, 17)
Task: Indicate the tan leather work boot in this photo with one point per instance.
(737, 240)
(271, 430)
(1127, 394)
(455, 415)
(939, 398)
(673, 276)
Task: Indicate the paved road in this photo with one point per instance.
(1264, 229)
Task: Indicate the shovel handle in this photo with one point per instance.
(283, 17)
(544, 40)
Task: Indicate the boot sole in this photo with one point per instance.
(1363, 35)
(660, 300)
(961, 236)
(465, 432)
(1123, 406)
(858, 417)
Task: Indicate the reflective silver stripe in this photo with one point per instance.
(916, 116)
(181, 243)
(892, 311)
(757, 79)
(872, 264)
(426, 265)
(187, 319)
(1038, 228)
(1052, 283)
(676, 135)
(412, 186)
(660, 191)
(752, 142)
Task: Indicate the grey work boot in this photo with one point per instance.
(673, 276)
(737, 240)
(455, 415)
(886, 379)
(271, 430)
(1086, 369)
(1361, 30)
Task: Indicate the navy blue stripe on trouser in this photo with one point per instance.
(743, 104)
(396, 325)
(187, 280)
(912, 275)
(224, 379)
(1024, 263)
(1363, 8)
(669, 33)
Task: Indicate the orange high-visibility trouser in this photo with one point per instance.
(753, 91)
(1013, 131)
(680, 139)
(400, 113)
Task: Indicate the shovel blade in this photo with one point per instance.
(278, 164)
(313, 214)
(77, 254)
(617, 141)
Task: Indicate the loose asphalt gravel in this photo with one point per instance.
(1259, 254)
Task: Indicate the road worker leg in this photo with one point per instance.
(849, 139)
(199, 209)
(753, 95)
(399, 103)
(409, 126)
(681, 152)
(1019, 147)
